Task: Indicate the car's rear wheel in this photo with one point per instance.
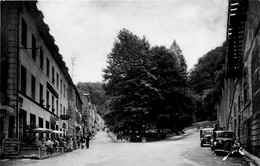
(201, 144)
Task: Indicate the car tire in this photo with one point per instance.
(201, 144)
(212, 148)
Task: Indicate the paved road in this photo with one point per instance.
(184, 151)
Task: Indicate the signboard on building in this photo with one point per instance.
(10, 146)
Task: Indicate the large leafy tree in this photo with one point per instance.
(124, 83)
(175, 102)
(146, 86)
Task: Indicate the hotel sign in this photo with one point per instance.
(10, 146)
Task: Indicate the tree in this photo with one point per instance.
(97, 94)
(146, 86)
(124, 84)
(206, 80)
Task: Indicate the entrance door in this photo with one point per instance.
(11, 129)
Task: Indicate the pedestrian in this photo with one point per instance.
(78, 141)
(82, 142)
(87, 141)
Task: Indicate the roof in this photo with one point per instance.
(49, 41)
(221, 131)
(44, 31)
(207, 129)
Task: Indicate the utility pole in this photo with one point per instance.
(72, 66)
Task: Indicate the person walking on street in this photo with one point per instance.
(82, 142)
(87, 141)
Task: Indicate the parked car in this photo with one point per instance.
(205, 136)
(222, 141)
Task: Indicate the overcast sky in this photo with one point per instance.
(87, 30)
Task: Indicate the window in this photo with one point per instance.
(60, 109)
(53, 75)
(33, 47)
(57, 78)
(57, 107)
(48, 67)
(32, 119)
(41, 58)
(33, 87)
(47, 124)
(64, 90)
(52, 104)
(67, 96)
(23, 79)
(40, 122)
(61, 86)
(41, 126)
(24, 33)
(47, 99)
(41, 94)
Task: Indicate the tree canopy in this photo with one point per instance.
(206, 80)
(146, 86)
(97, 92)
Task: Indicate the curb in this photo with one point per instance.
(252, 158)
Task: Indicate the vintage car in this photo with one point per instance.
(222, 141)
(205, 136)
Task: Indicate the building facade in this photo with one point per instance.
(239, 108)
(34, 84)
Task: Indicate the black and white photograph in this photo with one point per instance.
(130, 83)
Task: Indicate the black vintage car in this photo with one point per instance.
(222, 141)
(205, 136)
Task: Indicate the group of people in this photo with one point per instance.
(68, 143)
(84, 141)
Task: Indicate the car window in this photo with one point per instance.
(207, 132)
(226, 135)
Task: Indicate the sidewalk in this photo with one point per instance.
(252, 158)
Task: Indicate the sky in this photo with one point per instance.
(87, 30)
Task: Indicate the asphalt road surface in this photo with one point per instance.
(176, 151)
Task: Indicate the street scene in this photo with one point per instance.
(135, 82)
(180, 150)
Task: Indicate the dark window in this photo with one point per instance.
(57, 78)
(47, 124)
(60, 109)
(57, 107)
(53, 75)
(61, 86)
(41, 58)
(33, 87)
(41, 126)
(48, 67)
(32, 119)
(24, 33)
(41, 94)
(67, 95)
(33, 47)
(40, 122)
(23, 79)
(52, 103)
(64, 90)
(47, 99)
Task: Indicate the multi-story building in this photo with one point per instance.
(34, 79)
(239, 108)
(75, 112)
